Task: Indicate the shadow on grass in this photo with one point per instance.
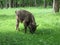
(6, 17)
(46, 31)
(42, 31)
(17, 37)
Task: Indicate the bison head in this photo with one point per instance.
(32, 28)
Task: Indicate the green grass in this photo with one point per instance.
(47, 33)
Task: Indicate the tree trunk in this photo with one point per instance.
(56, 5)
(45, 3)
(12, 3)
(1, 4)
(35, 3)
(6, 3)
(23, 3)
(9, 3)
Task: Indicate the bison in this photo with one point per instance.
(27, 19)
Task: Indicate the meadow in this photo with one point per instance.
(47, 33)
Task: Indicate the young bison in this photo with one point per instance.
(27, 19)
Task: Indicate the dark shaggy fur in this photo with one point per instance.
(27, 19)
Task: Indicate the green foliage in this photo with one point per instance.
(27, 2)
(47, 33)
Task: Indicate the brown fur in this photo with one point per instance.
(27, 19)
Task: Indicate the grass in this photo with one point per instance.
(47, 33)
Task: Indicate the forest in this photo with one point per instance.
(45, 16)
(34, 3)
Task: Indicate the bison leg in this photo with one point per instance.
(25, 26)
(17, 24)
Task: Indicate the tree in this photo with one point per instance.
(56, 5)
(9, 3)
(35, 4)
(1, 4)
(45, 3)
(6, 3)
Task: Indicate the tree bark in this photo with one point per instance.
(56, 5)
(35, 4)
(1, 4)
(45, 3)
(6, 3)
(9, 3)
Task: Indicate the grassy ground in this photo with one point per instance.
(47, 33)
